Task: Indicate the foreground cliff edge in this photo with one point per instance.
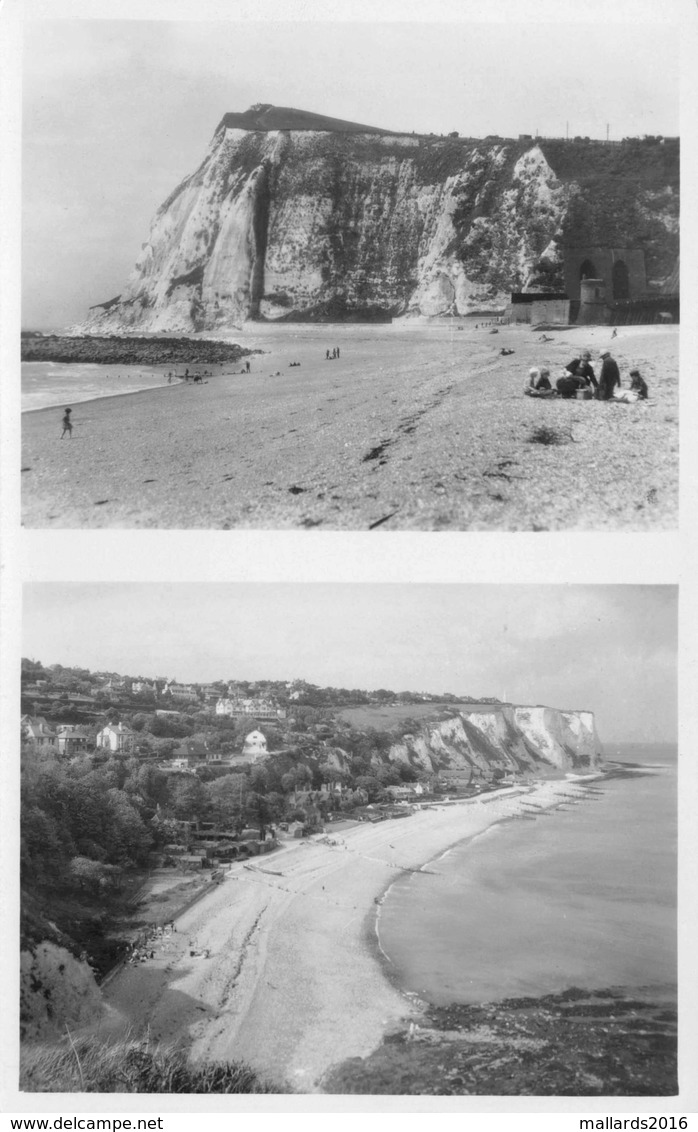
(294, 216)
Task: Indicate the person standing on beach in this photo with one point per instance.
(67, 424)
(609, 377)
(247, 367)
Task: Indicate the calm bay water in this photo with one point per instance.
(581, 896)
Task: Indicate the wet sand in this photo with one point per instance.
(411, 429)
(293, 983)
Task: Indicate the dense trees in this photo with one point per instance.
(74, 811)
(85, 816)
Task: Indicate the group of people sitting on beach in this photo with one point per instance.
(141, 950)
(579, 380)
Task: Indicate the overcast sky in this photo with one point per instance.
(609, 649)
(116, 113)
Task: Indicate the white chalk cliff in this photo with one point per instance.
(504, 738)
(346, 221)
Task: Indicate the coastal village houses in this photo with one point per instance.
(140, 686)
(37, 732)
(255, 746)
(180, 693)
(256, 707)
(72, 738)
(192, 751)
(115, 737)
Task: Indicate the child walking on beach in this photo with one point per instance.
(67, 424)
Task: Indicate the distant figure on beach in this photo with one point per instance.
(609, 377)
(615, 333)
(638, 383)
(247, 367)
(338, 351)
(67, 424)
(327, 355)
(169, 378)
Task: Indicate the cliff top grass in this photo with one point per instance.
(87, 1065)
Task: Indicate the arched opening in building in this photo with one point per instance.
(587, 270)
(621, 280)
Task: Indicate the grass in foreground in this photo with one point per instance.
(86, 1065)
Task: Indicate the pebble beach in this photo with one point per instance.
(293, 983)
(417, 427)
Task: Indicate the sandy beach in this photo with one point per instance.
(294, 982)
(421, 428)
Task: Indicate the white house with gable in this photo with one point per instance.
(115, 737)
(255, 746)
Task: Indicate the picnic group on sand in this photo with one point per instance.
(579, 380)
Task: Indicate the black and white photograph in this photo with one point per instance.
(348, 600)
(336, 839)
(342, 275)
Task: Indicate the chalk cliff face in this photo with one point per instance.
(346, 222)
(55, 990)
(506, 739)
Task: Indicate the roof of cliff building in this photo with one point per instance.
(264, 116)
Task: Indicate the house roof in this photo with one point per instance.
(38, 724)
(190, 747)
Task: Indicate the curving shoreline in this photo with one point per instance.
(294, 984)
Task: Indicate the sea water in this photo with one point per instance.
(46, 384)
(584, 896)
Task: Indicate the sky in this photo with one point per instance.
(607, 649)
(117, 112)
